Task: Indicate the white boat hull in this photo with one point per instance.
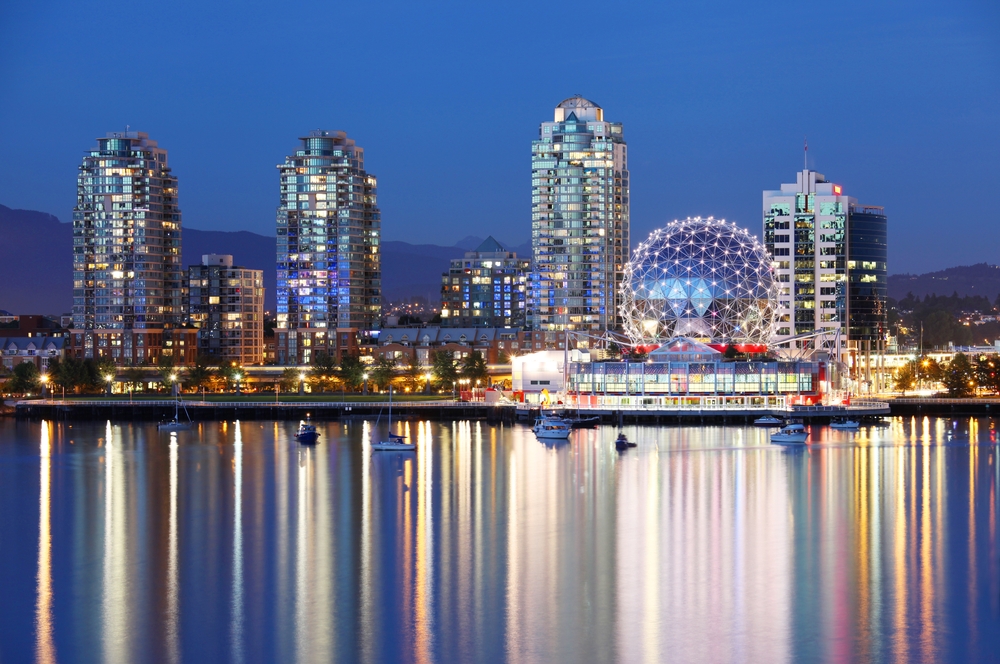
(553, 433)
(393, 446)
(789, 438)
(845, 426)
(171, 426)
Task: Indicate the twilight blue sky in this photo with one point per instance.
(900, 102)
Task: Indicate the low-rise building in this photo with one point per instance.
(486, 288)
(136, 347)
(226, 304)
(39, 350)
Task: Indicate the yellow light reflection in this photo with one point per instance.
(237, 609)
(173, 590)
(45, 647)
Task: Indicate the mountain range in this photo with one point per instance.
(36, 261)
(36, 265)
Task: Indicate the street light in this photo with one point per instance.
(173, 384)
(45, 379)
(110, 378)
(302, 383)
(237, 376)
(427, 387)
(365, 376)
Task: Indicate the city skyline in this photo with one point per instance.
(713, 116)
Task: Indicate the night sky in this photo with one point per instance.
(899, 102)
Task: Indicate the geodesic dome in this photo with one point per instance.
(701, 278)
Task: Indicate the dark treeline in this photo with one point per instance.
(940, 316)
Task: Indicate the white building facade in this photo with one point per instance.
(579, 220)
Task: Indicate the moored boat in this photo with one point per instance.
(768, 421)
(551, 427)
(307, 433)
(623, 443)
(790, 434)
(845, 425)
(393, 442)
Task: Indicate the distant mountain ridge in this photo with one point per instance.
(979, 279)
(36, 261)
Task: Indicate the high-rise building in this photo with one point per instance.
(579, 220)
(830, 260)
(329, 263)
(486, 288)
(226, 304)
(127, 277)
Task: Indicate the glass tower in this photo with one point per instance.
(126, 237)
(829, 257)
(579, 220)
(328, 260)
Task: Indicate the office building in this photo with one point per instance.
(328, 249)
(829, 257)
(226, 304)
(127, 277)
(485, 288)
(579, 220)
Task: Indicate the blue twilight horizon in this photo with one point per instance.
(898, 102)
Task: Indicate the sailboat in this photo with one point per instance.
(394, 443)
(175, 424)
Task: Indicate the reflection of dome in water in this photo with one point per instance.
(700, 278)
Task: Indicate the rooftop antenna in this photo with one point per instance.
(805, 154)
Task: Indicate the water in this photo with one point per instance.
(231, 542)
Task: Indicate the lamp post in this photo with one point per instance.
(45, 379)
(237, 376)
(475, 396)
(110, 379)
(454, 390)
(427, 384)
(365, 377)
(302, 384)
(173, 384)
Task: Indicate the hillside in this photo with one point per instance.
(36, 261)
(980, 279)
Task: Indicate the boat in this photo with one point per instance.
(307, 433)
(623, 443)
(790, 434)
(768, 421)
(845, 425)
(175, 424)
(394, 442)
(584, 422)
(551, 427)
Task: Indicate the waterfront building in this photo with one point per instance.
(226, 304)
(127, 276)
(829, 255)
(682, 372)
(486, 288)
(579, 220)
(328, 249)
(37, 349)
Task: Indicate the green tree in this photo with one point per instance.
(503, 357)
(443, 369)
(474, 368)
(290, 379)
(905, 378)
(25, 379)
(200, 374)
(69, 374)
(959, 377)
(323, 371)
(988, 372)
(230, 373)
(382, 371)
(167, 373)
(352, 371)
(414, 373)
(99, 370)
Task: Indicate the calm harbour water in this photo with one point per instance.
(231, 542)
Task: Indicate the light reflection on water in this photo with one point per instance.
(231, 542)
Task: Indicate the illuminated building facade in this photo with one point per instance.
(226, 304)
(486, 288)
(126, 246)
(579, 220)
(328, 248)
(829, 257)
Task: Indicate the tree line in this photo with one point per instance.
(962, 377)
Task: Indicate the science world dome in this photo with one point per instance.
(701, 278)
